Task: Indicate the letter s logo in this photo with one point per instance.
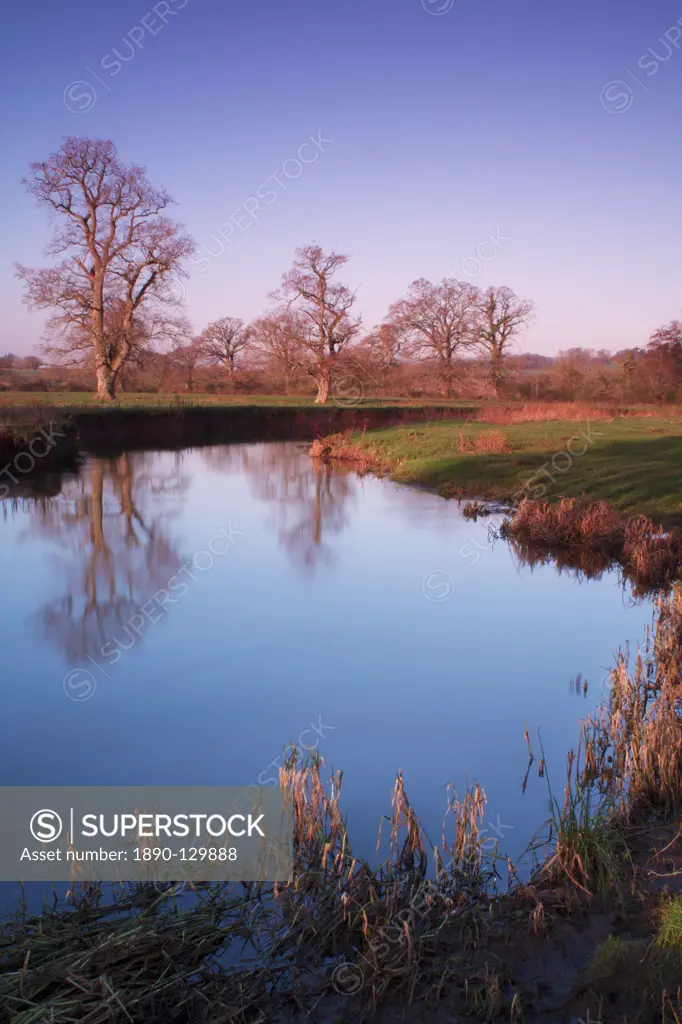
(45, 826)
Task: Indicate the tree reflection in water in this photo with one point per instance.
(108, 525)
(114, 551)
(309, 498)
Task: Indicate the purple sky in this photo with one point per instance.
(448, 123)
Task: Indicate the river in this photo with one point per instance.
(179, 617)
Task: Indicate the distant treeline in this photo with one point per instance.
(115, 305)
(649, 374)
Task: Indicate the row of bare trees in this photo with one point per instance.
(446, 321)
(112, 293)
(312, 324)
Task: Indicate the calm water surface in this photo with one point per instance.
(301, 604)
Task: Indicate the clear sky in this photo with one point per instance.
(448, 122)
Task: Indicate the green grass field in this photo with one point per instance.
(81, 401)
(635, 462)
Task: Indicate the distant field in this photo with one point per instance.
(84, 400)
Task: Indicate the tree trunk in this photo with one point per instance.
(496, 374)
(446, 382)
(229, 375)
(322, 386)
(106, 383)
(106, 379)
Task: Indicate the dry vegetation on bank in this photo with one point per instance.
(599, 537)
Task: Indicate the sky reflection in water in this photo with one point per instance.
(370, 620)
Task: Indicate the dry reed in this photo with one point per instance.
(141, 956)
(628, 763)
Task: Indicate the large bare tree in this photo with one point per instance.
(122, 255)
(502, 316)
(323, 307)
(437, 321)
(223, 340)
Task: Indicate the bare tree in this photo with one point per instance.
(186, 359)
(276, 337)
(662, 361)
(323, 307)
(385, 346)
(158, 366)
(437, 321)
(223, 340)
(670, 334)
(502, 316)
(122, 255)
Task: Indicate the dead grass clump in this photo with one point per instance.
(586, 835)
(342, 448)
(568, 523)
(651, 554)
(595, 536)
(492, 442)
(670, 928)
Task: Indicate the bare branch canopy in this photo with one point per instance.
(120, 256)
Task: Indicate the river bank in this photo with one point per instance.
(588, 497)
(628, 456)
(633, 462)
(181, 424)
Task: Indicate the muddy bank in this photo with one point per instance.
(102, 429)
(32, 446)
(205, 426)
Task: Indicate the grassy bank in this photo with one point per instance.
(443, 931)
(633, 462)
